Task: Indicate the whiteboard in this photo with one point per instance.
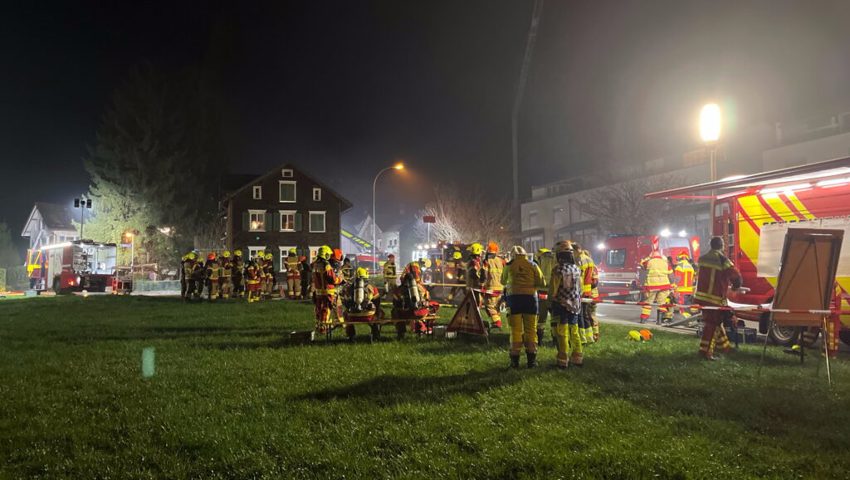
(773, 238)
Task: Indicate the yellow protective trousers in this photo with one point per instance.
(658, 297)
(491, 304)
(569, 343)
(523, 331)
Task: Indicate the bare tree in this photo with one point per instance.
(466, 215)
(622, 208)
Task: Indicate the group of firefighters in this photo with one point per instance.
(228, 275)
(561, 282)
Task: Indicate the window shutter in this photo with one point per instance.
(298, 222)
(245, 221)
(273, 220)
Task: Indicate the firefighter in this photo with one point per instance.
(457, 275)
(304, 271)
(186, 267)
(657, 285)
(589, 291)
(683, 276)
(715, 274)
(347, 271)
(522, 280)
(361, 296)
(226, 274)
(324, 288)
(411, 295)
(213, 272)
(565, 295)
(253, 278)
(493, 268)
(268, 275)
(475, 275)
(293, 274)
(197, 277)
(390, 275)
(238, 276)
(546, 261)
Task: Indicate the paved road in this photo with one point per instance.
(630, 315)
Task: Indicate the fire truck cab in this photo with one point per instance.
(73, 266)
(619, 265)
(814, 195)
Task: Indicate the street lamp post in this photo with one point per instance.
(82, 203)
(397, 166)
(132, 236)
(709, 130)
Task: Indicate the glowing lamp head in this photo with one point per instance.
(665, 233)
(399, 166)
(709, 123)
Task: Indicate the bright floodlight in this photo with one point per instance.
(665, 233)
(399, 166)
(709, 123)
(683, 233)
(600, 246)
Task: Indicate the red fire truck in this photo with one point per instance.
(72, 266)
(619, 265)
(816, 195)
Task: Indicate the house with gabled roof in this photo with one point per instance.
(282, 209)
(48, 224)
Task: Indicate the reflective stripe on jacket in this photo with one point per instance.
(684, 275)
(715, 273)
(522, 277)
(658, 272)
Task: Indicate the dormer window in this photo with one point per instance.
(317, 194)
(286, 173)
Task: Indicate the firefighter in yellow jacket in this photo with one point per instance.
(589, 291)
(546, 261)
(522, 280)
(390, 275)
(565, 297)
(657, 284)
(226, 274)
(325, 282)
(293, 275)
(684, 277)
(213, 270)
(493, 268)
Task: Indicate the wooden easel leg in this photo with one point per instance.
(825, 342)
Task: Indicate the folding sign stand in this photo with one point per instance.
(467, 319)
(804, 284)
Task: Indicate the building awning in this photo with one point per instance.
(532, 233)
(827, 173)
(574, 227)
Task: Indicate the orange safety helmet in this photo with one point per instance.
(337, 254)
(683, 255)
(211, 256)
(492, 247)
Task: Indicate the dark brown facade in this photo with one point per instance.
(283, 209)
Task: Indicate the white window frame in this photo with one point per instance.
(281, 213)
(314, 251)
(284, 252)
(287, 173)
(257, 192)
(250, 222)
(317, 194)
(252, 251)
(294, 190)
(324, 222)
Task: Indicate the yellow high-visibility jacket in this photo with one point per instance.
(522, 277)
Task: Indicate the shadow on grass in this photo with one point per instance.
(808, 417)
(388, 390)
(168, 333)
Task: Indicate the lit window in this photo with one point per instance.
(317, 222)
(257, 220)
(287, 220)
(317, 194)
(287, 191)
(258, 192)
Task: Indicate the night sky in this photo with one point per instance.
(345, 88)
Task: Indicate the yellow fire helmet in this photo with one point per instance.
(293, 251)
(427, 262)
(634, 335)
(269, 256)
(237, 253)
(457, 255)
(190, 255)
(562, 246)
(543, 251)
(261, 254)
(225, 254)
(325, 252)
(362, 273)
(476, 248)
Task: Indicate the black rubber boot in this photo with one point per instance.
(540, 332)
(532, 359)
(514, 361)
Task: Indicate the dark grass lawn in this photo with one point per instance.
(231, 398)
